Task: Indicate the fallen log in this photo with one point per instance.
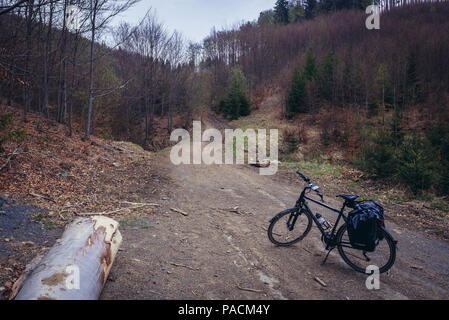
(77, 266)
(265, 163)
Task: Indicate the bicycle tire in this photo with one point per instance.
(279, 217)
(387, 237)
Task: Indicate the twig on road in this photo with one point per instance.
(179, 211)
(307, 250)
(320, 281)
(138, 204)
(42, 197)
(249, 289)
(154, 292)
(184, 266)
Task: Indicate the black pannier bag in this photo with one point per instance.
(363, 225)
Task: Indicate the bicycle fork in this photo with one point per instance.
(293, 216)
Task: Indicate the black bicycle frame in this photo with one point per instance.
(302, 204)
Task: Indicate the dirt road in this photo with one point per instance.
(214, 253)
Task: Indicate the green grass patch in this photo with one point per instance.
(168, 149)
(133, 222)
(48, 225)
(398, 199)
(313, 168)
(138, 147)
(439, 204)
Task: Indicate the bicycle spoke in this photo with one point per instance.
(289, 228)
(382, 257)
(360, 258)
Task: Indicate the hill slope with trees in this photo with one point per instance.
(380, 96)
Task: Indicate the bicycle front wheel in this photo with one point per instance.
(289, 227)
(383, 257)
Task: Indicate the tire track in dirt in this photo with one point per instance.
(219, 251)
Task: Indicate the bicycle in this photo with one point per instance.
(300, 218)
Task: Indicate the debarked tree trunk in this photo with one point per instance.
(77, 266)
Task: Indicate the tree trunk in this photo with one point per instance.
(62, 71)
(77, 267)
(29, 22)
(91, 74)
(72, 86)
(47, 61)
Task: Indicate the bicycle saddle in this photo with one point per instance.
(348, 197)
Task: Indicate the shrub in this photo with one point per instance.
(443, 178)
(296, 99)
(118, 127)
(410, 158)
(439, 138)
(290, 140)
(237, 103)
(416, 166)
(106, 135)
(379, 157)
(6, 134)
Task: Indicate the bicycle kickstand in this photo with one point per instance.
(327, 256)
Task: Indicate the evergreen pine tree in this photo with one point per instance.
(281, 12)
(296, 100)
(327, 5)
(384, 85)
(412, 79)
(296, 13)
(266, 18)
(397, 131)
(310, 9)
(347, 80)
(237, 103)
(358, 83)
(245, 106)
(326, 76)
(310, 68)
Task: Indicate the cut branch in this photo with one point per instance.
(249, 289)
(184, 266)
(8, 160)
(179, 211)
(41, 196)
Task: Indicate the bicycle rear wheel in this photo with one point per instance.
(383, 257)
(284, 231)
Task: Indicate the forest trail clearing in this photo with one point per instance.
(217, 253)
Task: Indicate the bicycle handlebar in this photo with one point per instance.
(312, 187)
(303, 176)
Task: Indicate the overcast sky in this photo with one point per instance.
(195, 18)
